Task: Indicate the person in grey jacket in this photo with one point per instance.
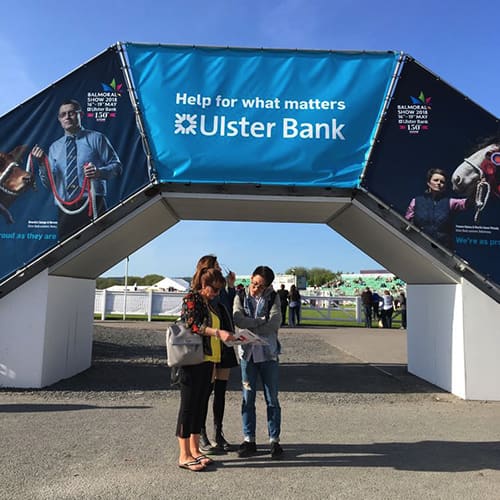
(259, 310)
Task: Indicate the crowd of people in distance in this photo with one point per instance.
(292, 301)
(381, 308)
(352, 285)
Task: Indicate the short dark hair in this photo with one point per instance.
(266, 272)
(438, 171)
(74, 102)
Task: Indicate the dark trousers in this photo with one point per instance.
(71, 223)
(195, 386)
(387, 317)
(368, 316)
(283, 313)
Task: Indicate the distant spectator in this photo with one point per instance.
(387, 309)
(294, 307)
(402, 308)
(375, 304)
(366, 300)
(283, 293)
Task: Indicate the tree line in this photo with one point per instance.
(148, 280)
(315, 276)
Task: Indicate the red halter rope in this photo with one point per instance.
(86, 188)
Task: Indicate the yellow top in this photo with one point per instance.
(215, 343)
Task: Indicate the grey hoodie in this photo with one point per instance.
(251, 315)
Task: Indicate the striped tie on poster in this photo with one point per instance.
(71, 176)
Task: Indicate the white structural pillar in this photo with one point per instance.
(46, 328)
(454, 339)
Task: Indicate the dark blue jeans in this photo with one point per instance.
(293, 316)
(268, 372)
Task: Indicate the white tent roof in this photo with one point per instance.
(176, 283)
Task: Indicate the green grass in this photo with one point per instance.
(310, 317)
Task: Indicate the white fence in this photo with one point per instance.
(147, 304)
(152, 303)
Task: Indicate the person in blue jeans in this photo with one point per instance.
(259, 310)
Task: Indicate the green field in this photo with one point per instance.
(310, 317)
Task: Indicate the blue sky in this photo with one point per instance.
(42, 41)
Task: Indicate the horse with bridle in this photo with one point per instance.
(478, 177)
(14, 180)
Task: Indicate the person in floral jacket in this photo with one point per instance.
(202, 319)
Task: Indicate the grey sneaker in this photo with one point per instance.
(276, 450)
(247, 449)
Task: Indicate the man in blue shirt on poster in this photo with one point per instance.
(79, 165)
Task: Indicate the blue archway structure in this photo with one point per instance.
(205, 133)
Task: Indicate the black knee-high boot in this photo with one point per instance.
(218, 408)
(205, 444)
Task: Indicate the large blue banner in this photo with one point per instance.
(279, 117)
(41, 204)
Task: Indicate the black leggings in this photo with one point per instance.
(195, 384)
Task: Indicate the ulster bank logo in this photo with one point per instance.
(287, 128)
(185, 123)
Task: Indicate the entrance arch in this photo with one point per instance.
(449, 343)
(351, 162)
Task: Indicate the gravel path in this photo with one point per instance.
(129, 358)
(350, 430)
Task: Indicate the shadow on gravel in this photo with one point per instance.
(134, 359)
(428, 456)
(37, 408)
(127, 375)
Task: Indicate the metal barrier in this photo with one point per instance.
(324, 308)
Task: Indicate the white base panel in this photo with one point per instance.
(454, 339)
(46, 328)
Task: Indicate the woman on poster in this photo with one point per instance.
(434, 211)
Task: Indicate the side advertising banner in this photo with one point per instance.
(222, 115)
(67, 155)
(438, 164)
